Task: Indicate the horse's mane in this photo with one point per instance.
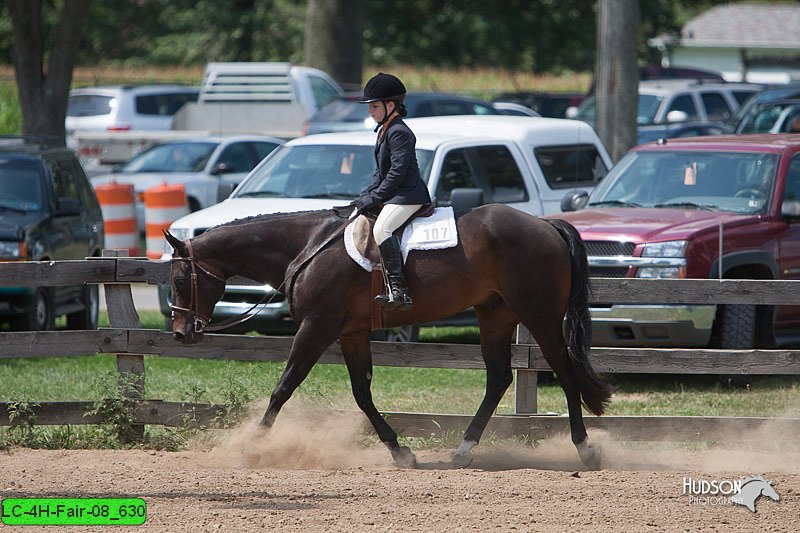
(255, 219)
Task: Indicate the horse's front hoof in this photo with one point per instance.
(404, 457)
(591, 456)
(461, 460)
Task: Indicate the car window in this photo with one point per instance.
(424, 109)
(20, 184)
(163, 105)
(684, 103)
(791, 123)
(792, 190)
(342, 110)
(172, 157)
(742, 96)
(717, 107)
(88, 196)
(322, 90)
(571, 166)
(263, 149)
(647, 108)
(63, 183)
(89, 105)
(237, 157)
(457, 173)
(502, 173)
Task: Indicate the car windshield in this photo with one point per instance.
(737, 182)
(342, 110)
(20, 184)
(172, 157)
(318, 171)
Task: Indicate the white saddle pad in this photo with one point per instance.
(435, 232)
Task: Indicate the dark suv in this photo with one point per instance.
(48, 211)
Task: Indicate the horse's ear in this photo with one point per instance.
(178, 245)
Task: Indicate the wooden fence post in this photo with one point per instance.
(122, 314)
(525, 384)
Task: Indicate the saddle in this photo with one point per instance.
(362, 232)
(367, 247)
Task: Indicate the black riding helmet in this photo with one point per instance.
(383, 87)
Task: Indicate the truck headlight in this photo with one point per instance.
(665, 249)
(13, 250)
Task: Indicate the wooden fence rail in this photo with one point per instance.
(130, 343)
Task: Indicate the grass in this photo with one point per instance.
(238, 384)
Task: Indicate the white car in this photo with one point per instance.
(208, 167)
(125, 107)
(529, 163)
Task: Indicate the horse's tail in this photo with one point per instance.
(595, 393)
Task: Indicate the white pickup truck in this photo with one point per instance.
(271, 99)
(528, 163)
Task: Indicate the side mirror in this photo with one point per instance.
(571, 112)
(68, 207)
(463, 199)
(790, 209)
(221, 168)
(574, 201)
(677, 116)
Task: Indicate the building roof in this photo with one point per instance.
(745, 26)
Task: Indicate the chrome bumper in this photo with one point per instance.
(652, 325)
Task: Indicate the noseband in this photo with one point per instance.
(200, 321)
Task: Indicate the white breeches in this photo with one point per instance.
(391, 217)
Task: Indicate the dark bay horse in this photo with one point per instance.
(511, 267)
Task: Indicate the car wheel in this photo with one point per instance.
(400, 334)
(40, 316)
(86, 318)
(737, 330)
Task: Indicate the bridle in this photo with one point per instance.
(200, 321)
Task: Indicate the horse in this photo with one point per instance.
(509, 266)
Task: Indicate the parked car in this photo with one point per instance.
(768, 95)
(125, 107)
(49, 213)
(528, 164)
(781, 116)
(514, 109)
(547, 104)
(668, 101)
(346, 114)
(209, 167)
(662, 212)
(645, 134)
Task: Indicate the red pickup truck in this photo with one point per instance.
(659, 214)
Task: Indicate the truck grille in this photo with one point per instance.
(609, 248)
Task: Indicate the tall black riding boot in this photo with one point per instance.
(392, 258)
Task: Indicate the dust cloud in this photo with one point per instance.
(312, 437)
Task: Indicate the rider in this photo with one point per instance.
(396, 189)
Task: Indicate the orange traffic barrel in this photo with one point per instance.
(163, 205)
(119, 216)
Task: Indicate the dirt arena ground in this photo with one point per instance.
(316, 474)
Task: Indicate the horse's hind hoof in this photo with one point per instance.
(404, 457)
(461, 460)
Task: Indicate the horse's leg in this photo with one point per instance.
(497, 327)
(549, 335)
(358, 357)
(309, 343)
